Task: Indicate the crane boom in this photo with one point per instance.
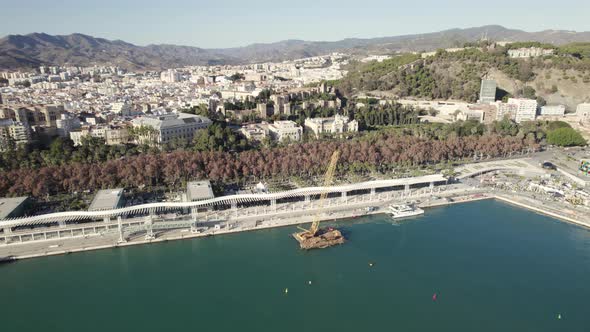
(328, 178)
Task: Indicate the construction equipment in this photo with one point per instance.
(314, 237)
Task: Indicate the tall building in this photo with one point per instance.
(170, 76)
(262, 110)
(12, 132)
(33, 115)
(505, 110)
(122, 108)
(487, 92)
(67, 123)
(526, 109)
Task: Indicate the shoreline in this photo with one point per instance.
(544, 212)
(298, 221)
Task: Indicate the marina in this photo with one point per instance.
(384, 275)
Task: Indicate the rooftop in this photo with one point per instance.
(8, 205)
(171, 120)
(199, 190)
(106, 199)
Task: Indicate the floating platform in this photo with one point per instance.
(324, 238)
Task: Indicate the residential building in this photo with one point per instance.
(67, 123)
(530, 52)
(505, 110)
(285, 130)
(122, 108)
(166, 128)
(117, 136)
(13, 132)
(112, 135)
(33, 115)
(487, 92)
(170, 76)
(336, 125)
(526, 109)
(553, 110)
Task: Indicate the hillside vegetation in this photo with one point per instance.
(562, 77)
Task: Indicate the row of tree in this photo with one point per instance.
(374, 153)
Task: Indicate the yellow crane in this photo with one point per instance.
(310, 233)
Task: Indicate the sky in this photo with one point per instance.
(231, 23)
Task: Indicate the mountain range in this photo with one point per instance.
(32, 50)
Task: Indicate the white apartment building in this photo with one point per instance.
(505, 110)
(170, 76)
(66, 123)
(282, 130)
(526, 109)
(13, 131)
(583, 112)
(122, 108)
(336, 125)
(530, 52)
(553, 110)
(172, 126)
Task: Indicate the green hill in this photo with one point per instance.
(560, 78)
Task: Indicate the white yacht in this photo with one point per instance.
(403, 211)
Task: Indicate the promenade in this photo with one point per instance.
(232, 221)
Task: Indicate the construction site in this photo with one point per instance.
(315, 237)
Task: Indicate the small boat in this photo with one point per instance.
(403, 211)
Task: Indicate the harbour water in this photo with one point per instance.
(493, 267)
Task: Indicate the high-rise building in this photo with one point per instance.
(123, 108)
(526, 109)
(487, 92)
(67, 123)
(170, 76)
(33, 115)
(13, 132)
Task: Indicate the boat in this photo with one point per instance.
(403, 211)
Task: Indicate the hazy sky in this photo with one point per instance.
(227, 23)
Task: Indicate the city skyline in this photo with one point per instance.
(215, 26)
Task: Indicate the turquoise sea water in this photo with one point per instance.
(493, 267)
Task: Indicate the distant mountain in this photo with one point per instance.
(32, 50)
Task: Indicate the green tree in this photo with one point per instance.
(565, 137)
